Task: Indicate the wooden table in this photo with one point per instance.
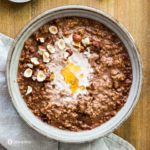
(134, 14)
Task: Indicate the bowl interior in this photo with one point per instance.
(20, 105)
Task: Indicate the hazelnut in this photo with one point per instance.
(29, 90)
(46, 57)
(32, 49)
(77, 37)
(96, 44)
(30, 65)
(61, 44)
(41, 39)
(53, 29)
(65, 55)
(41, 76)
(51, 48)
(27, 73)
(35, 61)
(41, 50)
(69, 51)
(86, 41)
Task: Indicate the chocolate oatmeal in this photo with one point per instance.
(74, 73)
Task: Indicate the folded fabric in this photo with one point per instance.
(16, 135)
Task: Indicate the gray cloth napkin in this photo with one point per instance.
(16, 135)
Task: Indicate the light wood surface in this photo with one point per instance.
(134, 14)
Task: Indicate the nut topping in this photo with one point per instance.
(41, 76)
(65, 55)
(30, 65)
(27, 73)
(53, 30)
(32, 49)
(46, 57)
(29, 90)
(35, 61)
(87, 52)
(41, 39)
(86, 41)
(69, 51)
(96, 44)
(61, 44)
(41, 50)
(77, 37)
(51, 48)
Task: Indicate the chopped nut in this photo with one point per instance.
(51, 48)
(30, 65)
(27, 73)
(41, 39)
(41, 50)
(46, 57)
(32, 49)
(86, 41)
(65, 55)
(53, 29)
(61, 44)
(29, 90)
(87, 52)
(41, 76)
(34, 60)
(69, 51)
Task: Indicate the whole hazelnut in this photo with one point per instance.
(32, 49)
(69, 51)
(96, 44)
(77, 37)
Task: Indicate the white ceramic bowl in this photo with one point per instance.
(50, 131)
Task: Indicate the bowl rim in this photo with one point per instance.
(17, 1)
(94, 10)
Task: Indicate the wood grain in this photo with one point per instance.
(134, 14)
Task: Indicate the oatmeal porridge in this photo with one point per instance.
(74, 73)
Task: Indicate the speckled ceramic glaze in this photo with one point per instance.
(50, 131)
